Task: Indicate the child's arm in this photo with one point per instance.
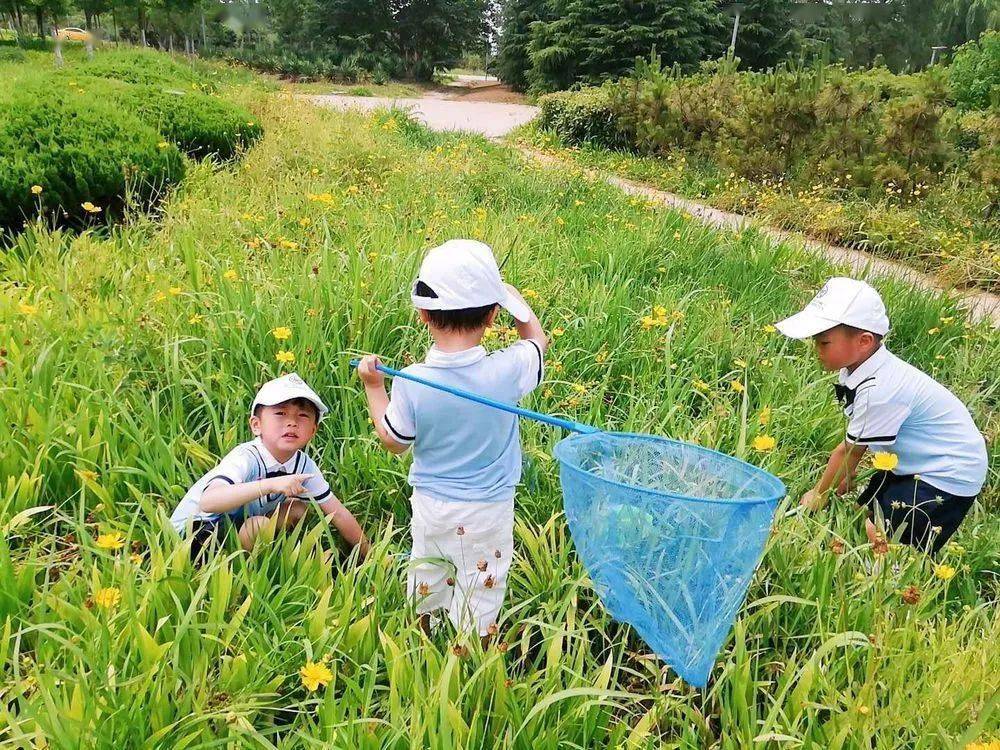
(533, 328)
(346, 524)
(839, 471)
(378, 402)
(222, 497)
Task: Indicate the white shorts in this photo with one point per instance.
(460, 559)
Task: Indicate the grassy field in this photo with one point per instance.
(128, 358)
(944, 232)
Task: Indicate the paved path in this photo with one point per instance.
(495, 120)
(487, 118)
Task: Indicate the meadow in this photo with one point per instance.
(129, 354)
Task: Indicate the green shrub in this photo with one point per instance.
(201, 125)
(585, 116)
(975, 72)
(143, 67)
(78, 148)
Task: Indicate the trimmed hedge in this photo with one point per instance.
(78, 148)
(585, 116)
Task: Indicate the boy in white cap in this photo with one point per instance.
(267, 481)
(466, 456)
(934, 459)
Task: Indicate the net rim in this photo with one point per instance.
(780, 489)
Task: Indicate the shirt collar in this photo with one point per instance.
(270, 462)
(866, 369)
(437, 358)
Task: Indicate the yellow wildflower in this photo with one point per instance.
(700, 385)
(25, 309)
(107, 598)
(529, 294)
(769, 328)
(159, 297)
(230, 275)
(740, 363)
(764, 443)
(174, 290)
(282, 333)
(114, 540)
(557, 332)
(885, 461)
(90, 208)
(86, 474)
(36, 189)
(195, 319)
(163, 144)
(765, 416)
(944, 572)
(285, 358)
(737, 386)
(313, 675)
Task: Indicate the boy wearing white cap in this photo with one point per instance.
(466, 456)
(265, 482)
(936, 458)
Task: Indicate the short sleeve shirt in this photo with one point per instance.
(464, 451)
(249, 462)
(893, 406)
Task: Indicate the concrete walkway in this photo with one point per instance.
(486, 118)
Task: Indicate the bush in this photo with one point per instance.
(143, 67)
(585, 116)
(975, 72)
(77, 148)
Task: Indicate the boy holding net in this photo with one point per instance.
(926, 485)
(466, 456)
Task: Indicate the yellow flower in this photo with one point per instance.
(353, 190)
(107, 598)
(764, 443)
(174, 290)
(285, 358)
(737, 386)
(765, 416)
(114, 540)
(933, 331)
(863, 710)
(136, 558)
(313, 675)
(281, 333)
(312, 312)
(26, 309)
(36, 189)
(163, 144)
(529, 294)
(885, 461)
(305, 221)
(195, 319)
(230, 275)
(579, 388)
(159, 297)
(769, 328)
(700, 385)
(557, 332)
(87, 474)
(740, 362)
(944, 572)
(90, 208)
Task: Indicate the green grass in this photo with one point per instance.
(391, 90)
(943, 232)
(130, 357)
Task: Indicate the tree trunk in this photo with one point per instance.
(204, 36)
(114, 23)
(87, 20)
(40, 20)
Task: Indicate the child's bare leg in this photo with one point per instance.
(289, 513)
(285, 516)
(251, 529)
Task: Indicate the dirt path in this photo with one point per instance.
(496, 119)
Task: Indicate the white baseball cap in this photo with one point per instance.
(841, 301)
(285, 388)
(463, 274)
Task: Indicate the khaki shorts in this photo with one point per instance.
(460, 559)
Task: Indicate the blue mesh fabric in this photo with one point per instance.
(670, 534)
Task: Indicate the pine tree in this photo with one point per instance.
(515, 36)
(765, 34)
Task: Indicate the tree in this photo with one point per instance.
(591, 41)
(432, 32)
(765, 35)
(517, 17)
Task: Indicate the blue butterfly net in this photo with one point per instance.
(670, 533)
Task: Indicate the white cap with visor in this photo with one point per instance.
(841, 301)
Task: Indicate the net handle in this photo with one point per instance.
(566, 424)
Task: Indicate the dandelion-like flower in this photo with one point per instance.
(107, 598)
(315, 674)
(285, 358)
(944, 572)
(230, 275)
(281, 333)
(36, 189)
(885, 461)
(113, 541)
(764, 443)
(90, 208)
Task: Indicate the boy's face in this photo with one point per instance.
(841, 347)
(286, 427)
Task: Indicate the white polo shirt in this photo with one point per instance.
(249, 462)
(464, 451)
(890, 403)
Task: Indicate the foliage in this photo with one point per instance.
(975, 73)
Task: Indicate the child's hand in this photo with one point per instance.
(371, 377)
(813, 500)
(292, 485)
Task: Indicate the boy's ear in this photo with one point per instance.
(255, 425)
(491, 318)
(424, 317)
